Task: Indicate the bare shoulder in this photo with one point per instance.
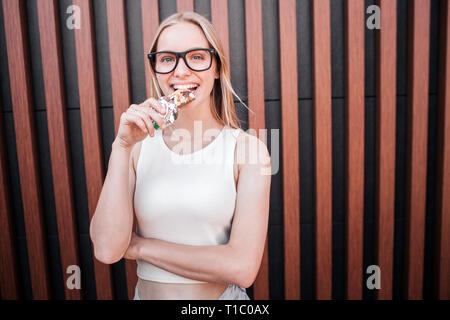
(251, 151)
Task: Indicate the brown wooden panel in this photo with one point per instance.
(418, 63)
(150, 22)
(9, 282)
(219, 18)
(20, 82)
(255, 84)
(185, 5)
(354, 40)
(289, 119)
(90, 126)
(322, 109)
(58, 136)
(120, 84)
(385, 144)
(442, 231)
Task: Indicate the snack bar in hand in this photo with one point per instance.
(172, 102)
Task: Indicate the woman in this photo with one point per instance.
(201, 228)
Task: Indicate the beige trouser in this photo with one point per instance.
(233, 292)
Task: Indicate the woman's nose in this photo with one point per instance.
(181, 69)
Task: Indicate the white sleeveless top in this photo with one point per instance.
(184, 198)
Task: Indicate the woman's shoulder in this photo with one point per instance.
(248, 139)
(250, 149)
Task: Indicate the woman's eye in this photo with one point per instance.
(166, 59)
(197, 57)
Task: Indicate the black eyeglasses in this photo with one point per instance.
(199, 59)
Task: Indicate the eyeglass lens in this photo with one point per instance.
(197, 60)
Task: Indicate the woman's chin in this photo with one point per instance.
(187, 106)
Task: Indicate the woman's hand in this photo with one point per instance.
(133, 248)
(136, 122)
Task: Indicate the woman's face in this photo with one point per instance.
(179, 38)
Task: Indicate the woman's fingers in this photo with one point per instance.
(149, 115)
(144, 114)
(154, 113)
(146, 118)
(130, 117)
(153, 103)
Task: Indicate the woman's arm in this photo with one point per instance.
(112, 223)
(237, 261)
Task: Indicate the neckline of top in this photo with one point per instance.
(163, 143)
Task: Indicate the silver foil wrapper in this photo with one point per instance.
(170, 114)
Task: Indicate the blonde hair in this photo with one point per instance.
(222, 107)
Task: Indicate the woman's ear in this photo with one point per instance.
(216, 69)
(217, 74)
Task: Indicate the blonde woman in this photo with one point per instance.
(201, 225)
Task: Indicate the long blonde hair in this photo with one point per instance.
(222, 106)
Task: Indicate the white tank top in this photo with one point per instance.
(184, 198)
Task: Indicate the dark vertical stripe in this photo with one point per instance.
(418, 68)
(20, 81)
(323, 146)
(289, 127)
(9, 281)
(355, 146)
(90, 122)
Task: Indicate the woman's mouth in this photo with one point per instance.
(191, 87)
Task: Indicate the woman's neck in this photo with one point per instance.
(196, 119)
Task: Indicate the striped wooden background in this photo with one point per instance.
(360, 117)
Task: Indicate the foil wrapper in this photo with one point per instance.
(171, 103)
(171, 112)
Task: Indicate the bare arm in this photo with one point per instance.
(237, 261)
(112, 223)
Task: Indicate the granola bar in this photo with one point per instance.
(181, 97)
(171, 103)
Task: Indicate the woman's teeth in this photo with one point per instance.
(190, 87)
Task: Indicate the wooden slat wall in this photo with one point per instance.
(219, 18)
(150, 22)
(289, 118)
(120, 84)
(322, 111)
(16, 38)
(58, 139)
(185, 5)
(9, 281)
(20, 82)
(442, 242)
(385, 144)
(419, 38)
(90, 123)
(355, 146)
(255, 84)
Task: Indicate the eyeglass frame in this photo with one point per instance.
(179, 55)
